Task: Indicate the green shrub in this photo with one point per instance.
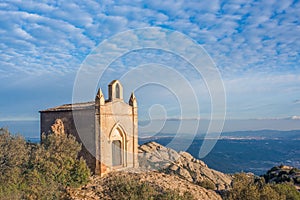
(242, 188)
(14, 156)
(207, 184)
(41, 171)
(287, 190)
(123, 188)
(268, 193)
(40, 186)
(247, 187)
(56, 157)
(174, 195)
(80, 173)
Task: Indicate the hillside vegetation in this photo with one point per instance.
(249, 187)
(52, 170)
(150, 185)
(40, 171)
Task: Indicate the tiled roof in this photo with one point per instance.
(75, 106)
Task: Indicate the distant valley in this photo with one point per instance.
(248, 151)
(263, 135)
(235, 151)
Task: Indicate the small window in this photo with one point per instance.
(117, 91)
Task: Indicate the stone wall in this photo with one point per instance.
(84, 131)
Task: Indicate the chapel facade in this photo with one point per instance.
(106, 128)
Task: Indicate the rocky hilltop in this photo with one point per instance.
(153, 156)
(101, 188)
(162, 168)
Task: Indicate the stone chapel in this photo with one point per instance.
(106, 128)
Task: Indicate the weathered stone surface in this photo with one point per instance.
(173, 167)
(184, 174)
(183, 164)
(186, 156)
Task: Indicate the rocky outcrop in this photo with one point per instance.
(99, 188)
(154, 156)
(162, 168)
(58, 127)
(283, 173)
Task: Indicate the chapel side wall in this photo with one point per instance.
(83, 117)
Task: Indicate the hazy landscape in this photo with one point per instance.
(243, 155)
(236, 151)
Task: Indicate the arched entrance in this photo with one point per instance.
(118, 147)
(117, 155)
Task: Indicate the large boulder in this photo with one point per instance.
(283, 173)
(154, 156)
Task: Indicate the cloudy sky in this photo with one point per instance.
(255, 46)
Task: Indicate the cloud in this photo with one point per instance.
(240, 35)
(38, 44)
(264, 95)
(295, 117)
(254, 44)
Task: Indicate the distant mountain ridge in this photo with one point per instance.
(241, 152)
(263, 134)
(253, 134)
(30, 129)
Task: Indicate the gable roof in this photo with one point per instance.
(69, 107)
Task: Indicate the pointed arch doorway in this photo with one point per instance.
(118, 147)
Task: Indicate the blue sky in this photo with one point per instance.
(254, 44)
